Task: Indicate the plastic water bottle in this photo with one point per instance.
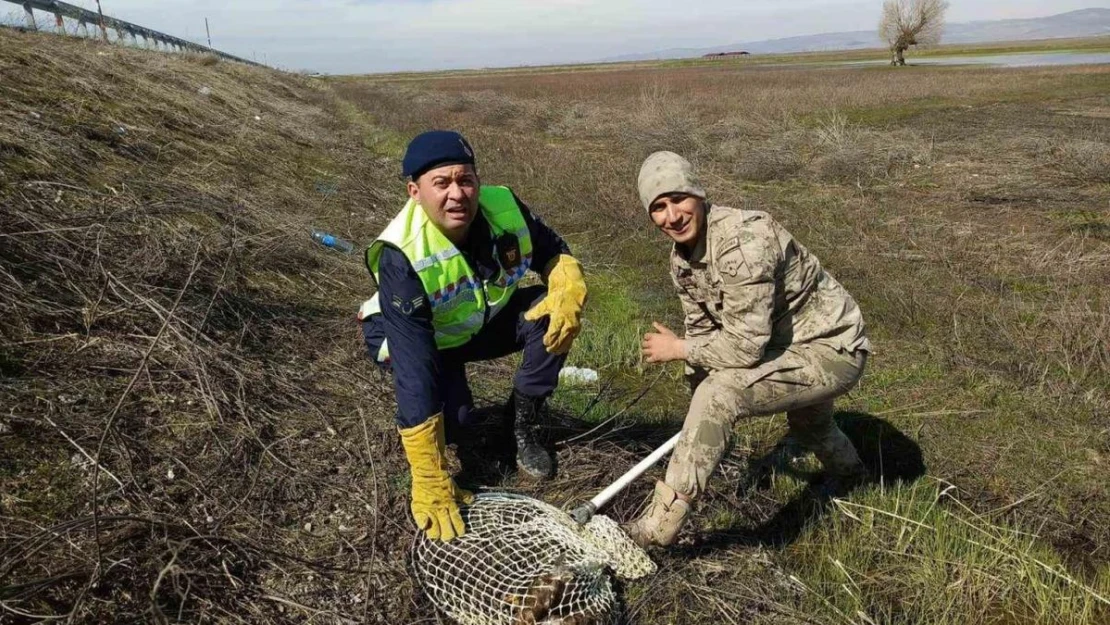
(575, 375)
(332, 241)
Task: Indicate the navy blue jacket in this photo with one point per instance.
(415, 360)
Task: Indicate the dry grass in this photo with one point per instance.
(729, 94)
(1088, 161)
(166, 319)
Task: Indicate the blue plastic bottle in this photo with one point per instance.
(332, 241)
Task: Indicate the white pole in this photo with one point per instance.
(583, 513)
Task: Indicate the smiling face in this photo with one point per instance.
(449, 196)
(679, 216)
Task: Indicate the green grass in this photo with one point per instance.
(915, 554)
(612, 326)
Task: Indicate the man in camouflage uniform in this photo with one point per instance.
(767, 331)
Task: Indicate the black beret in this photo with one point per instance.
(435, 148)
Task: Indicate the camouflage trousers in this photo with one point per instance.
(801, 381)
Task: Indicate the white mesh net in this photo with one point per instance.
(522, 561)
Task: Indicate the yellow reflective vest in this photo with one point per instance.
(461, 301)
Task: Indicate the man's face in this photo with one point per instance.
(679, 216)
(449, 195)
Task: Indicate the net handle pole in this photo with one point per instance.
(586, 510)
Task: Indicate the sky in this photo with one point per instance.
(364, 36)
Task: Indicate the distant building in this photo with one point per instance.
(717, 55)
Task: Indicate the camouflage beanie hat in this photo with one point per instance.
(667, 172)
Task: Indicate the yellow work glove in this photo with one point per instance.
(566, 295)
(435, 498)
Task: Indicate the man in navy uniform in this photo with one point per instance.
(448, 268)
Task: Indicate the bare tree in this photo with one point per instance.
(908, 23)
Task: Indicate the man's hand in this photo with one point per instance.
(435, 497)
(435, 506)
(662, 345)
(566, 295)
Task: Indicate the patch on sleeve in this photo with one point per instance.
(408, 306)
(731, 259)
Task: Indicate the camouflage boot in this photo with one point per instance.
(815, 429)
(531, 457)
(664, 518)
(839, 458)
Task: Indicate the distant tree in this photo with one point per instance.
(908, 23)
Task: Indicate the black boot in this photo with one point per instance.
(531, 457)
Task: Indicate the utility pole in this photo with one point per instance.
(208, 32)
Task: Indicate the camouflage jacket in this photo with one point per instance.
(749, 287)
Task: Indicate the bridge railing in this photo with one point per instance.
(126, 32)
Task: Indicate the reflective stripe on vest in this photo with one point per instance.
(461, 302)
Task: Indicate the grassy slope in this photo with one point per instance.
(163, 308)
(157, 283)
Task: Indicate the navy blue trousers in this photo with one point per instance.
(507, 333)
